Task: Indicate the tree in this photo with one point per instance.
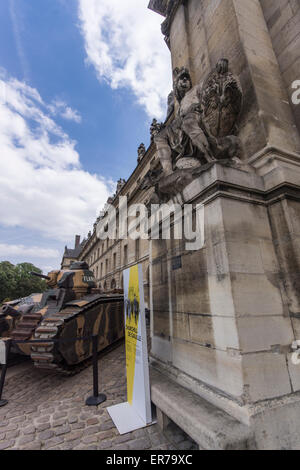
(7, 280)
(16, 281)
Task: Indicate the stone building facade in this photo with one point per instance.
(108, 258)
(72, 254)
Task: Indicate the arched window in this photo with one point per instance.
(113, 284)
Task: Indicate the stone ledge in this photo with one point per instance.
(209, 426)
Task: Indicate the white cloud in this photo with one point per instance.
(60, 108)
(8, 251)
(124, 43)
(42, 185)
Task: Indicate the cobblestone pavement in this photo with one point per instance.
(47, 411)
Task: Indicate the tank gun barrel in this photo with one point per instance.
(42, 276)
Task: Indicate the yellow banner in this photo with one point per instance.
(132, 308)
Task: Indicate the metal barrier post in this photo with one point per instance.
(97, 398)
(3, 372)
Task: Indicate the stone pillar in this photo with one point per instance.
(224, 317)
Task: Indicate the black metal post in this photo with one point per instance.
(96, 399)
(3, 372)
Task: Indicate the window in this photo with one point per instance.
(115, 260)
(137, 249)
(106, 266)
(101, 270)
(125, 254)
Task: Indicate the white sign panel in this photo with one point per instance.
(136, 413)
(2, 352)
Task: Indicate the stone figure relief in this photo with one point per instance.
(155, 128)
(141, 152)
(203, 130)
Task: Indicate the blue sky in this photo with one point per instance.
(80, 81)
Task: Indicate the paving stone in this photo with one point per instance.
(34, 446)
(91, 430)
(18, 419)
(6, 444)
(140, 444)
(106, 434)
(60, 415)
(12, 434)
(59, 422)
(26, 439)
(72, 436)
(72, 419)
(44, 419)
(92, 421)
(106, 426)
(89, 439)
(42, 427)
(105, 444)
(120, 446)
(123, 438)
(62, 430)
(45, 435)
(53, 442)
(29, 430)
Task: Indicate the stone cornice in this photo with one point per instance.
(168, 9)
(158, 6)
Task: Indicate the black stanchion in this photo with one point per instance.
(97, 398)
(3, 372)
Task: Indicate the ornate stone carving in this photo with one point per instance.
(141, 152)
(183, 143)
(120, 185)
(155, 128)
(221, 103)
(159, 6)
(204, 127)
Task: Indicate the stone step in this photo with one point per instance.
(210, 427)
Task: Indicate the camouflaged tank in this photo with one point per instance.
(71, 308)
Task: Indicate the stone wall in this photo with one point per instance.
(224, 317)
(283, 19)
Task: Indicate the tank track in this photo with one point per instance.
(49, 329)
(26, 327)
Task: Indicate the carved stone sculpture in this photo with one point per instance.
(155, 128)
(141, 152)
(178, 143)
(120, 185)
(221, 103)
(204, 128)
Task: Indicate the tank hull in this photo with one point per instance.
(69, 331)
(101, 315)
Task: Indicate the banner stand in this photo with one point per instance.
(136, 412)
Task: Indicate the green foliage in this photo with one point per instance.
(16, 281)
